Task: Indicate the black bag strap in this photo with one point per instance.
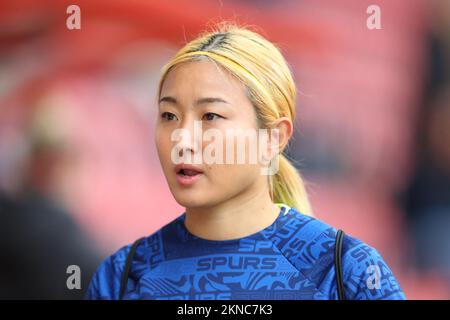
(126, 270)
(338, 263)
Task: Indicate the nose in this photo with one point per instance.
(189, 140)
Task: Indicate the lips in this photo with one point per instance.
(187, 169)
(187, 174)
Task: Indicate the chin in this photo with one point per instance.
(189, 200)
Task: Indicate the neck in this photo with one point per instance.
(247, 213)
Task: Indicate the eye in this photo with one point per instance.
(209, 116)
(168, 116)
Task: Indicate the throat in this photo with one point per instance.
(223, 226)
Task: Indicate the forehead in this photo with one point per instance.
(204, 77)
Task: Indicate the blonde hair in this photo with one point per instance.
(260, 66)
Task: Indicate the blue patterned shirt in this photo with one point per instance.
(291, 259)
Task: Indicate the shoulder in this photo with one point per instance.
(366, 274)
(105, 283)
(309, 244)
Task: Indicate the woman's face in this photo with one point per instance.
(202, 94)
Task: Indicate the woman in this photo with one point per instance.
(247, 231)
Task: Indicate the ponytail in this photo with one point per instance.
(287, 186)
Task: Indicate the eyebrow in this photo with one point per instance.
(197, 102)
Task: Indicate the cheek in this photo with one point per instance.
(233, 145)
(233, 148)
(163, 146)
(235, 177)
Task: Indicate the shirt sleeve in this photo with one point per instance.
(367, 276)
(105, 283)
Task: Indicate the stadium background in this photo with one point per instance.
(79, 174)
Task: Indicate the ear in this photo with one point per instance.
(280, 135)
